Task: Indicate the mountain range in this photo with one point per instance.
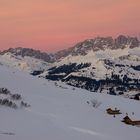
(102, 64)
(67, 95)
(82, 48)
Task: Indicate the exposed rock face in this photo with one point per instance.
(103, 43)
(123, 41)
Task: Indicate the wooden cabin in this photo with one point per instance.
(128, 121)
(113, 112)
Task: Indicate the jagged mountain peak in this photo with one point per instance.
(99, 43)
(122, 40)
(108, 42)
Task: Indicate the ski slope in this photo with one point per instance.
(62, 113)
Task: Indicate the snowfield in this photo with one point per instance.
(62, 113)
(23, 63)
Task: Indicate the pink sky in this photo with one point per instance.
(52, 25)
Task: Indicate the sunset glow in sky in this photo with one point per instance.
(52, 25)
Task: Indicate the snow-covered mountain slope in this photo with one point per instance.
(26, 63)
(127, 57)
(99, 64)
(62, 113)
(100, 70)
